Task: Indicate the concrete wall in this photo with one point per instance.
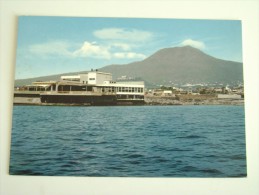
(83, 78)
(229, 96)
(26, 100)
(97, 78)
(70, 77)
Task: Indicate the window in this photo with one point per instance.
(71, 79)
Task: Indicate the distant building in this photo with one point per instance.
(124, 78)
(167, 92)
(218, 90)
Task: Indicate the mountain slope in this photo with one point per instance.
(181, 65)
(171, 65)
(56, 77)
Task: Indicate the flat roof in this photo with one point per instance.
(100, 72)
(71, 76)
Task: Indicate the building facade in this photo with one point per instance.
(93, 83)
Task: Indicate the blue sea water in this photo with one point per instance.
(129, 141)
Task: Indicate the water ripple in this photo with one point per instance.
(138, 141)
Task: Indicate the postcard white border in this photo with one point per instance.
(246, 10)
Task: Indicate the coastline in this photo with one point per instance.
(191, 101)
(148, 100)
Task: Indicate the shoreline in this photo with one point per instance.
(192, 100)
(148, 101)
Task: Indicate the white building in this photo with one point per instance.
(167, 92)
(91, 78)
(93, 81)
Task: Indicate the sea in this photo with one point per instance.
(129, 141)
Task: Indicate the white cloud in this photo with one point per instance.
(129, 55)
(132, 35)
(193, 43)
(93, 50)
(55, 47)
(113, 50)
(123, 46)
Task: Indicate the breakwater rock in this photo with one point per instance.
(191, 100)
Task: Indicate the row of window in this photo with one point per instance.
(81, 88)
(71, 79)
(140, 97)
(129, 89)
(123, 89)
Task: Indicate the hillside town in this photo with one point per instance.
(233, 95)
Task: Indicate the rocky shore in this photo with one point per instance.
(191, 100)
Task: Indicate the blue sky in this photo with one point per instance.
(53, 45)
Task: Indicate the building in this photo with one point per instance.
(102, 82)
(89, 86)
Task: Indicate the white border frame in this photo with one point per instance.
(245, 10)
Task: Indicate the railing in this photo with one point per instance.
(28, 92)
(78, 93)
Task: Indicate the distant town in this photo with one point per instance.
(195, 95)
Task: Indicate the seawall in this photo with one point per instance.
(150, 100)
(191, 100)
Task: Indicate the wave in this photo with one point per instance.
(190, 137)
(238, 157)
(213, 171)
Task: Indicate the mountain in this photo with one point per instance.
(180, 65)
(171, 65)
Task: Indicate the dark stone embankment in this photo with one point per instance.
(27, 101)
(191, 100)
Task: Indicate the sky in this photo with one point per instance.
(54, 45)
